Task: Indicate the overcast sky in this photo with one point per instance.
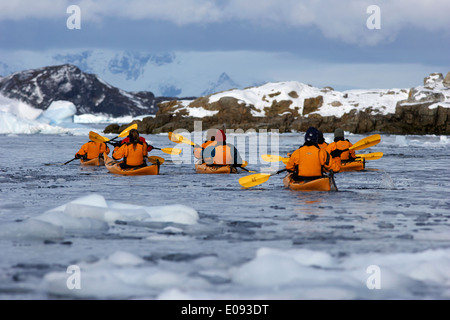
(412, 33)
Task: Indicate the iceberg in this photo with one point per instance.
(59, 112)
(17, 117)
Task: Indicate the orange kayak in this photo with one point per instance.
(321, 184)
(203, 168)
(114, 167)
(357, 165)
(93, 162)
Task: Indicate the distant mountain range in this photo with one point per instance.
(90, 94)
(285, 106)
(163, 74)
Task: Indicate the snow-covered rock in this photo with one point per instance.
(293, 105)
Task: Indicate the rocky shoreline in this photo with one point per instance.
(426, 110)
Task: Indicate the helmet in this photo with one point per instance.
(339, 133)
(220, 136)
(312, 135)
(321, 139)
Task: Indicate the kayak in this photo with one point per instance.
(204, 168)
(93, 162)
(357, 165)
(114, 167)
(320, 184)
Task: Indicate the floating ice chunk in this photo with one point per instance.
(73, 224)
(173, 213)
(95, 200)
(163, 279)
(94, 213)
(31, 229)
(274, 268)
(302, 256)
(124, 259)
(121, 275)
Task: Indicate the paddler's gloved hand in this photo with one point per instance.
(116, 144)
(149, 148)
(77, 156)
(336, 153)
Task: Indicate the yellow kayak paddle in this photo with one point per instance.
(177, 138)
(257, 179)
(361, 144)
(98, 138)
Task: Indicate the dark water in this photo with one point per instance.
(395, 214)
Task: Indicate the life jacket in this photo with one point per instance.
(306, 162)
(134, 155)
(199, 151)
(342, 145)
(222, 154)
(92, 150)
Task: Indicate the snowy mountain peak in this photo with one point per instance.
(224, 82)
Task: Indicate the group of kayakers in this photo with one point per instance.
(308, 162)
(133, 150)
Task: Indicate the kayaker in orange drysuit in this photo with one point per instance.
(210, 141)
(134, 152)
(339, 148)
(222, 153)
(127, 139)
(321, 141)
(309, 161)
(91, 150)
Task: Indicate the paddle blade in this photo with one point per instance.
(174, 137)
(96, 137)
(125, 132)
(370, 156)
(254, 180)
(271, 158)
(366, 142)
(174, 151)
(155, 159)
(180, 139)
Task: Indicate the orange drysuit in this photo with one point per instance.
(307, 161)
(92, 150)
(134, 155)
(342, 145)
